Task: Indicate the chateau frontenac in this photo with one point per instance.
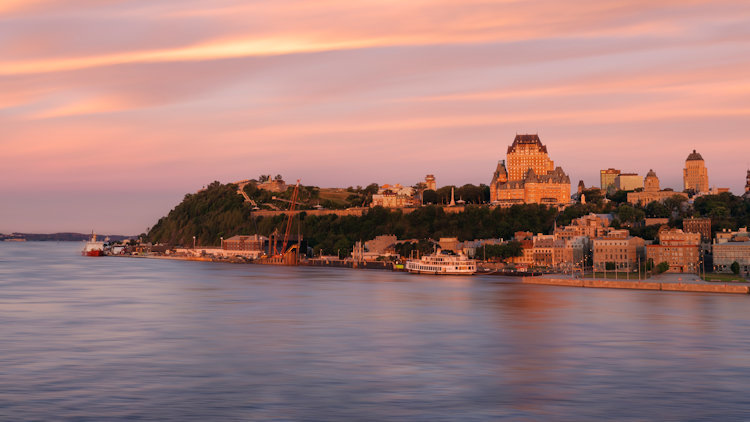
(530, 176)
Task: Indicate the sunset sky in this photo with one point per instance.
(110, 111)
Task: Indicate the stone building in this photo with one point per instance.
(275, 185)
(430, 183)
(651, 191)
(730, 247)
(394, 196)
(679, 249)
(619, 248)
(695, 174)
(530, 176)
(528, 152)
(698, 225)
(607, 179)
(628, 181)
(590, 226)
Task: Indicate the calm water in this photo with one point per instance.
(116, 338)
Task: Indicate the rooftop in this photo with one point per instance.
(694, 156)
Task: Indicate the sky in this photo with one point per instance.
(111, 111)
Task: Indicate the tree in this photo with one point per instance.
(619, 196)
(278, 177)
(658, 210)
(735, 267)
(662, 267)
(429, 197)
(264, 178)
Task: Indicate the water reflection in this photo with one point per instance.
(113, 338)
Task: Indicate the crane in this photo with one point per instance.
(292, 203)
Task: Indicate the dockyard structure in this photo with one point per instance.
(730, 247)
(245, 243)
(651, 191)
(607, 179)
(679, 249)
(618, 248)
(695, 174)
(529, 177)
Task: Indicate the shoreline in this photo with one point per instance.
(651, 284)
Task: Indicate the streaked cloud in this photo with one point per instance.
(182, 93)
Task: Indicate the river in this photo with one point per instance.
(141, 339)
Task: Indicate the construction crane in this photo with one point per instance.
(292, 203)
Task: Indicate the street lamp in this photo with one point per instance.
(193, 242)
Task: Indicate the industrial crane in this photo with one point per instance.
(292, 203)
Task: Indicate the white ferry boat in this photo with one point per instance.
(442, 264)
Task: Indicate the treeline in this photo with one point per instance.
(218, 211)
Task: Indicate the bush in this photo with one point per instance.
(735, 267)
(662, 267)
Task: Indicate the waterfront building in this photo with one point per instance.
(530, 176)
(695, 174)
(607, 179)
(679, 249)
(527, 257)
(628, 181)
(651, 191)
(252, 245)
(730, 247)
(430, 183)
(698, 225)
(571, 253)
(449, 244)
(544, 250)
(619, 248)
(382, 244)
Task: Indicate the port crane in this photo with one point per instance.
(292, 204)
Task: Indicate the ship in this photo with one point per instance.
(92, 247)
(441, 263)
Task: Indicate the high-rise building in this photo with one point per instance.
(628, 181)
(695, 174)
(529, 176)
(607, 178)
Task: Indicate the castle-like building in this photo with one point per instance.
(695, 174)
(530, 176)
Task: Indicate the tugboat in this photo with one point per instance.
(440, 263)
(92, 247)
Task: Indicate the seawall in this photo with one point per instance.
(639, 285)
